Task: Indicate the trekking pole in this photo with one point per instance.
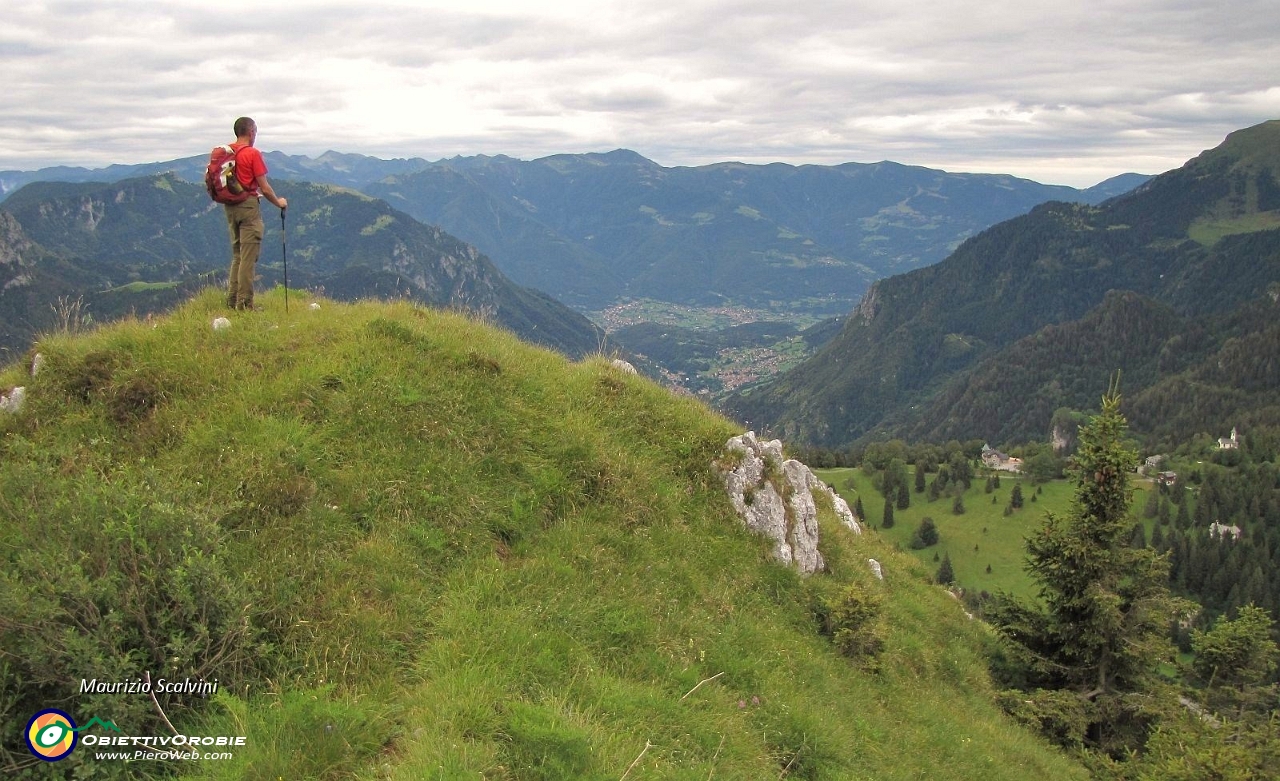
(284, 254)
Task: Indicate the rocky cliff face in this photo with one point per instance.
(14, 244)
(776, 497)
(869, 306)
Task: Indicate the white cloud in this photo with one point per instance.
(1062, 92)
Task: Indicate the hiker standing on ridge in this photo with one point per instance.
(245, 218)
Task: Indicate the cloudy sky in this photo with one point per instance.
(1062, 92)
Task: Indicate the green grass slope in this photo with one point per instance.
(408, 545)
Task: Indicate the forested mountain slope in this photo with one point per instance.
(1203, 241)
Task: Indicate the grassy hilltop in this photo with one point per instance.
(410, 546)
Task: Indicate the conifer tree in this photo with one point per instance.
(904, 496)
(1152, 505)
(946, 575)
(1237, 654)
(887, 522)
(919, 477)
(1138, 537)
(926, 534)
(1101, 628)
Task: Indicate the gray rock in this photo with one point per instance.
(622, 365)
(37, 363)
(876, 569)
(12, 401)
(843, 512)
(757, 485)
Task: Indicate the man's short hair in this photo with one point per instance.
(243, 126)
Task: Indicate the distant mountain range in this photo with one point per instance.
(797, 241)
(142, 244)
(1028, 318)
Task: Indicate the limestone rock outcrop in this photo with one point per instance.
(12, 401)
(775, 497)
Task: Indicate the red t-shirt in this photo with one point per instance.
(249, 166)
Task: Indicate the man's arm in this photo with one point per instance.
(264, 187)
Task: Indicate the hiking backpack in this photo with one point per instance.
(220, 176)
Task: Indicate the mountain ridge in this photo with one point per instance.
(912, 333)
(161, 230)
(802, 241)
(723, 232)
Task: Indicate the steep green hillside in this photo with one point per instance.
(100, 238)
(410, 546)
(1200, 240)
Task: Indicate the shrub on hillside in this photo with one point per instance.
(851, 617)
(123, 586)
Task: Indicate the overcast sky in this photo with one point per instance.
(1058, 91)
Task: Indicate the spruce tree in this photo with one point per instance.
(887, 522)
(919, 477)
(1138, 537)
(1100, 630)
(1152, 506)
(904, 496)
(926, 534)
(946, 575)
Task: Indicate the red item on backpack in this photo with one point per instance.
(220, 176)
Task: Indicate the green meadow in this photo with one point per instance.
(982, 537)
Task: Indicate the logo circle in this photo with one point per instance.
(51, 735)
